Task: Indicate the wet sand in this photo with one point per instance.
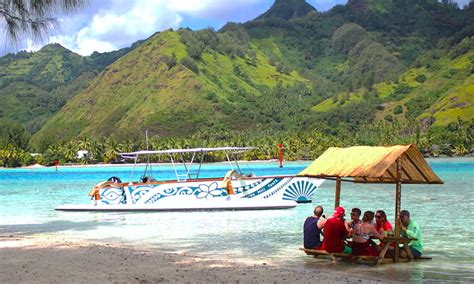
(47, 259)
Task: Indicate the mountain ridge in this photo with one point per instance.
(358, 64)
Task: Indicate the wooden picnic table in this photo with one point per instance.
(387, 242)
(397, 241)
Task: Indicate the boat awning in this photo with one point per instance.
(366, 164)
(191, 150)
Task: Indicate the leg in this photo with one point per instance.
(414, 252)
(403, 253)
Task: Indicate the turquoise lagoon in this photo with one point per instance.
(444, 212)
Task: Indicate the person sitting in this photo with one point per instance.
(382, 225)
(411, 229)
(361, 244)
(335, 232)
(312, 229)
(355, 219)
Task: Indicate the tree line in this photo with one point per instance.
(456, 139)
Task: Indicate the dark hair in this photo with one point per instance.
(405, 213)
(318, 211)
(356, 210)
(368, 216)
(381, 213)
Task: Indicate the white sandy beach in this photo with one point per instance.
(47, 259)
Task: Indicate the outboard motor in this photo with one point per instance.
(147, 179)
(115, 179)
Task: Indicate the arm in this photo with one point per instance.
(348, 227)
(321, 223)
(413, 232)
(376, 234)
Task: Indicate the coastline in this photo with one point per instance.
(53, 259)
(71, 166)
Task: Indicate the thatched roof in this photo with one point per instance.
(367, 164)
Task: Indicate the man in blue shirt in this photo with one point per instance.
(313, 226)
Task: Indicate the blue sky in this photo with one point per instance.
(108, 25)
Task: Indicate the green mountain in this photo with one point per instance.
(288, 9)
(160, 87)
(291, 69)
(34, 85)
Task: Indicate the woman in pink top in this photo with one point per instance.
(381, 223)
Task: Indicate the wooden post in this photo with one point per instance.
(398, 192)
(338, 192)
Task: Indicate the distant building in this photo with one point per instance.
(82, 154)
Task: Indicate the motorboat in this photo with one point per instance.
(189, 191)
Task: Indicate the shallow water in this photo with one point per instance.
(28, 197)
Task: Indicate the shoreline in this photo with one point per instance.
(71, 166)
(55, 259)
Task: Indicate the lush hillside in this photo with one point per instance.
(170, 89)
(437, 90)
(351, 72)
(34, 85)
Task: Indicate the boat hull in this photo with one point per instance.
(227, 204)
(251, 193)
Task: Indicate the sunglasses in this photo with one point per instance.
(378, 216)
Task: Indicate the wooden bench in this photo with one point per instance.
(373, 260)
(351, 257)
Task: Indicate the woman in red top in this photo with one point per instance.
(381, 223)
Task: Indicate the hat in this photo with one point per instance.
(338, 212)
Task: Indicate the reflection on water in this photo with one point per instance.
(443, 212)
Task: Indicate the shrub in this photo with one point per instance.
(398, 109)
(172, 61)
(421, 78)
(190, 64)
(388, 118)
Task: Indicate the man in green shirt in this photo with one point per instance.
(411, 229)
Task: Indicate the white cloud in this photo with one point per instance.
(120, 23)
(108, 29)
(216, 9)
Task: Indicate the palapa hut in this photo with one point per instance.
(401, 164)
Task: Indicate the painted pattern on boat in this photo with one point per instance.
(298, 189)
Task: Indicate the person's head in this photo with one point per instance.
(339, 213)
(355, 214)
(380, 216)
(405, 217)
(368, 217)
(318, 211)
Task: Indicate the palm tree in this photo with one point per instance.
(112, 150)
(35, 18)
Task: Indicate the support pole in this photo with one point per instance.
(398, 193)
(338, 192)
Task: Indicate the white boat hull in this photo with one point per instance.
(228, 204)
(252, 193)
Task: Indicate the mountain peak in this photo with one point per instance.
(54, 47)
(288, 9)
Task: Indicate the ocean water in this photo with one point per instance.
(28, 198)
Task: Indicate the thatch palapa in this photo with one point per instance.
(366, 164)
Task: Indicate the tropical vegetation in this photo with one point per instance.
(369, 72)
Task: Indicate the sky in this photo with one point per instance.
(106, 25)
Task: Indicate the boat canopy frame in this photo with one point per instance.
(230, 153)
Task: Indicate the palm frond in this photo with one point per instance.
(35, 19)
